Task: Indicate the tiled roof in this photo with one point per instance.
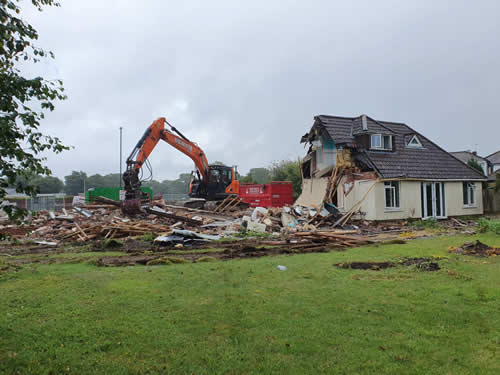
(428, 162)
(339, 128)
(373, 127)
(494, 158)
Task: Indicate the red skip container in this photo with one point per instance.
(273, 194)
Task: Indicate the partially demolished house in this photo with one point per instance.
(389, 171)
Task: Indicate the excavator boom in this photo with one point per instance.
(210, 179)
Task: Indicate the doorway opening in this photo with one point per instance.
(433, 204)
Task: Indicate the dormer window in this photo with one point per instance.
(381, 142)
(414, 142)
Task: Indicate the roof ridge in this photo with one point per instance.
(334, 116)
(496, 152)
(382, 125)
(470, 153)
(393, 122)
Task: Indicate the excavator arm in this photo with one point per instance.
(153, 134)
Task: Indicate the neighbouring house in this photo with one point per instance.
(394, 171)
(467, 156)
(494, 159)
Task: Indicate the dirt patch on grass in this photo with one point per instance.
(423, 264)
(16, 250)
(477, 248)
(239, 251)
(376, 266)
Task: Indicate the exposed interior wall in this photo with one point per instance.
(313, 191)
(455, 203)
(359, 189)
(326, 154)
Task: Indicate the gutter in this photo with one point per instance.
(432, 179)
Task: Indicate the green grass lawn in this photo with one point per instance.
(247, 317)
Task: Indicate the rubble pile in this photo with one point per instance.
(299, 227)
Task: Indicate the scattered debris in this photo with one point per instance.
(246, 232)
(161, 212)
(178, 236)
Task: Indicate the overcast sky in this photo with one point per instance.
(244, 79)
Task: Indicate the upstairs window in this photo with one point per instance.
(381, 142)
(391, 190)
(414, 142)
(469, 194)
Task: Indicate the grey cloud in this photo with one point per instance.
(244, 79)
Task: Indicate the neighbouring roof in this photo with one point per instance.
(11, 192)
(494, 158)
(465, 156)
(427, 162)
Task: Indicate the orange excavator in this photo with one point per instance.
(209, 182)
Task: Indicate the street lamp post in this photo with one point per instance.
(120, 157)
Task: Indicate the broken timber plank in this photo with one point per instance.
(222, 204)
(81, 231)
(107, 201)
(349, 213)
(173, 216)
(209, 214)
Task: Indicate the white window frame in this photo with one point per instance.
(392, 186)
(434, 195)
(469, 194)
(372, 145)
(381, 145)
(411, 145)
(390, 142)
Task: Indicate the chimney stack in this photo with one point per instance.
(364, 122)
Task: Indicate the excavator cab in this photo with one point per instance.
(220, 183)
(219, 178)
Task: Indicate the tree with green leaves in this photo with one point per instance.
(108, 180)
(75, 183)
(23, 101)
(474, 164)
(178, 186)
(288, 170)
(260, 175)
(48, 184)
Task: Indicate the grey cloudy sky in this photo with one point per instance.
(244, 79)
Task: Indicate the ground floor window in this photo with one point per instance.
(391, 190)
(469, 196)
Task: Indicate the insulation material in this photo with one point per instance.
(344, 158)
